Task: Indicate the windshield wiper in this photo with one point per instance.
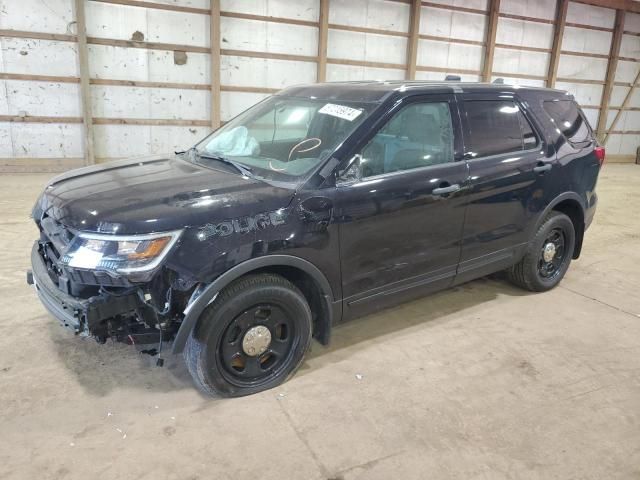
(243, 169)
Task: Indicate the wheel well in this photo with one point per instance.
(573, 210)
(312, 292)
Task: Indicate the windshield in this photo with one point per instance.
(283, 138)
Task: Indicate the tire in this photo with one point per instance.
(226, 353)
(533, 272)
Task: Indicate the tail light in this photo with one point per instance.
(599, 151)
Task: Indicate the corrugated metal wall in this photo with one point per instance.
(149, 63)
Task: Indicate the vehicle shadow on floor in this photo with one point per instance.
(103, 368)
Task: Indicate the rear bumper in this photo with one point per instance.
(83, 316)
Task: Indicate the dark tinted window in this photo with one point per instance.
(569, 120)
(495, 127)
(528, 135)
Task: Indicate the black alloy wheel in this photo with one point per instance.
(251, 338)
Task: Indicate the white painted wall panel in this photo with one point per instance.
(262, 72)
(106, 20)
(174, 139)
(626, 71)
(518, 61)
(448, 23)
(339, 73)
(6, 147)
(300, 9)
(531, 8)
(184, 3)
(240, 34)
(622, 144)
(233, 103)
(629, 120)
(592, 116)
(370, 13)
(590, 15)
(586, 68)
(477, 4)
(586, 94)
(529, 82)
(43, 99)
(46, 140)
(51, 16)
(630, 46)
(523, 33)
(439, 76)
(138, 102)
(148, 65)
(42, 57)
(449, 55)
(618, 94)
(366, 47)
(632, 22)
(586, 41)
(118, 141)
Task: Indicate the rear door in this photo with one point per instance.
(509, 171)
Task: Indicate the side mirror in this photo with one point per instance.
(352, 172)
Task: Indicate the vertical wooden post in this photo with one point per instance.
(558, 33)
(490, 40)
(412, 42)
(323, 34)
(214, 36)
(614, 53)
(623, 107)
(85, 92)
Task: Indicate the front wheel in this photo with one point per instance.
(251, 338)
(548, 255)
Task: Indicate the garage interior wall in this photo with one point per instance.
(155, 71)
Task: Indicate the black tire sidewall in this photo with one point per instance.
(216, 318)
(558, 220)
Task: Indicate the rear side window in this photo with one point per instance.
(497, 126)
(567, 117)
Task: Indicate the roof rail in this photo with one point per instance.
(452, 78)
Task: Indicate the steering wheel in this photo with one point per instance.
(316, 143)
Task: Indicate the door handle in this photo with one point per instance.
(542, 168)
(444, 190)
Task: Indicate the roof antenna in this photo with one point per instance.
(452, 78)
(499, 80)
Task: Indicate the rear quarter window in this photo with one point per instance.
(570, 121)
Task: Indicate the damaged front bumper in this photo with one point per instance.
(83, 316)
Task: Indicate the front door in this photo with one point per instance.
(401, 219)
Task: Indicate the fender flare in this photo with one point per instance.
(200, 303)
(552, 204)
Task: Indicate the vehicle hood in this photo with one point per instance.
(155, 194)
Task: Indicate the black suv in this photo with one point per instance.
(319, 204)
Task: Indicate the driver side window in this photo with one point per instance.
(419, 135)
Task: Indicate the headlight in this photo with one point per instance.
(121, 254)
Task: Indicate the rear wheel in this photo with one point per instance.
(251, 338)
(548, 256)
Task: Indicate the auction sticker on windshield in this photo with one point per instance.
(340, 111)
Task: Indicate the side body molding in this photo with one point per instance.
(333, 310)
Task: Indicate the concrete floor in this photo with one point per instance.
(483, 381)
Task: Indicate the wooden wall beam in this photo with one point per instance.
(414, 36)
(556, 48)
(214, 28)
(85, 88)
(323, 36)
(623, 107)
(612, 65)
(490, 40)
